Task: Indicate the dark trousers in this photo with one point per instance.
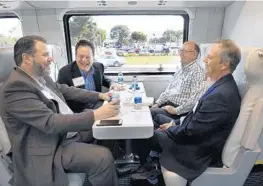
(161, 116)
(156, 143)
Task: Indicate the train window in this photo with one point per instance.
(10, 31)
(129, 43)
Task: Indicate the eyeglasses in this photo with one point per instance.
(184, 51)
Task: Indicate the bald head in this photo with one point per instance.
(189, 52)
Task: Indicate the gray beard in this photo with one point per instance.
(39, 70)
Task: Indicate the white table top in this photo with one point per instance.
(136, 123)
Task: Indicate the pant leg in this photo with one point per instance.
(144, 146)
(160, 116)
(94, 160)
(86, 136)
(161, 119)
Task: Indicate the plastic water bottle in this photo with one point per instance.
(134, 83)
(115, 96)
(120, 78)
(137, 100)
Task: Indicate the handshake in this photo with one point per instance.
(109, 109)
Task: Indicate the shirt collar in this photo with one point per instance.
(90, 72)
(188, 65)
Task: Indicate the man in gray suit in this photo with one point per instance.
(42, 128)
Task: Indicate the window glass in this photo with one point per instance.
(10, 31)
(130, 42)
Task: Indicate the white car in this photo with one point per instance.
(111, 61)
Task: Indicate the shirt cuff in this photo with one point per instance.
(178, 110)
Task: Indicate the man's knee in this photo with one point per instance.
(155, 112)
(106, 158)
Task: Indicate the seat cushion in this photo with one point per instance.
(5, 145)
(172, 179)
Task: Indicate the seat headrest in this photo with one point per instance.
(254, 67)
(7, 62)
(248, 126)
(238, 74)
(204, 49)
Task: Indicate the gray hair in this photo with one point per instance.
(26, 45)
(230, 53)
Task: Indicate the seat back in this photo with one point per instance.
(248, 126)
(7, 65)
(204, 48)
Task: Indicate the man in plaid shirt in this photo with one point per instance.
(183, 91)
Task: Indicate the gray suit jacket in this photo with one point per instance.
(36, 129)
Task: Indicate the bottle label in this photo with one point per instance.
(137, 100)
(120, 79)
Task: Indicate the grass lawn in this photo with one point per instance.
(151, 60)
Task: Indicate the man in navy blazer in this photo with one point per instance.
(188, 149)
(84, 73)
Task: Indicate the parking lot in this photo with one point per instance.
(150, 60)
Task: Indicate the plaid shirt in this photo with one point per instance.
(185, 88)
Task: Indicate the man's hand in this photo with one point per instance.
(117, 87)
(155, 106)
(170, 109)
(165, 126)
(105, 96)
(106, 111)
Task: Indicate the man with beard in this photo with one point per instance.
(43, 130)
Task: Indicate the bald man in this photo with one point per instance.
(183, 90)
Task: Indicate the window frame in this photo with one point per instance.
(159, 71)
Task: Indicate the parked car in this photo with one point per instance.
(111, 61)
(121, 52)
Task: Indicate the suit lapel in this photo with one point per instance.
(216, 84)
(224, 79)
(97, 79)
(38, 87)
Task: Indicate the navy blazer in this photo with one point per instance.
(71, 71)
(198, 142)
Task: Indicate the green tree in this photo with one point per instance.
(7, 41)
(179, 36)
(101, 36)
(169, 35)
(173, 36)
(119, 33)
(138, 36)
(83, 27)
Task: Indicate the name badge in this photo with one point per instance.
(78, 81)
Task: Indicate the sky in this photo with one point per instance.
(150, 25)
(7, 24)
